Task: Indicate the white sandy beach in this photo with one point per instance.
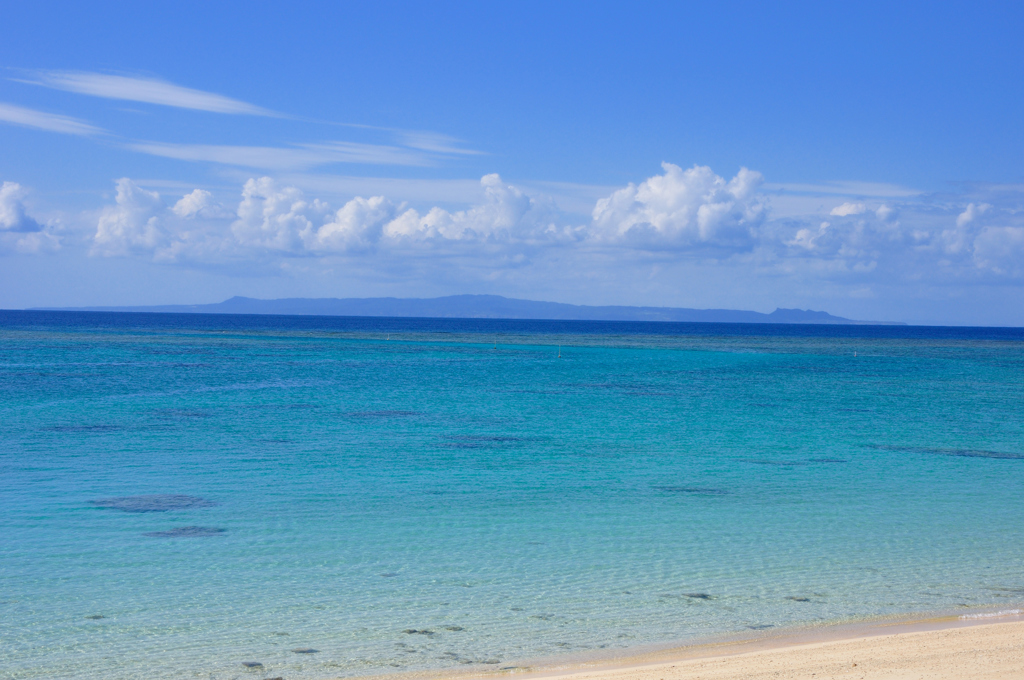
(982, 651)
(932, 649)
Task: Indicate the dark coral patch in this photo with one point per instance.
(185, 532)
(382, 414)
(962, 453)
(153, 503)
(82, 428)
(694, 490)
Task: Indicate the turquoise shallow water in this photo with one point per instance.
(406, 494)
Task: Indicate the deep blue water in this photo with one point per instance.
(417, 493)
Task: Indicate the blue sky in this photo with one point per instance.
(867, 160)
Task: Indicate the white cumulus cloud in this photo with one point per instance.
(972, 213)
(959, 240)
(358, 225)
(199, 204)
(192, 204)
(847, 209)
(274, 218)
(18, 231)
(1001, 250)
(808, 238)
(682, 208)
(506, 214)
(132, 224)
(885, 213)
(12, 209)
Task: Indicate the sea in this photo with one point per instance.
(230, 496)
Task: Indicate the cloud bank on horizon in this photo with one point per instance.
(682, 215)
(691, 210)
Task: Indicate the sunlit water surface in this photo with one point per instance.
(404, 494)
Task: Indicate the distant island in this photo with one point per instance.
(483, 307)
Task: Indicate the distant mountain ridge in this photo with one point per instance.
(482, 307)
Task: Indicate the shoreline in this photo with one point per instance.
(894, 640)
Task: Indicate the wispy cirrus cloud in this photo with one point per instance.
(843, 188)
(408, 147)
(299, 157)
(146, 90)
(425, 140)
(40, 120)
(434, 142)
